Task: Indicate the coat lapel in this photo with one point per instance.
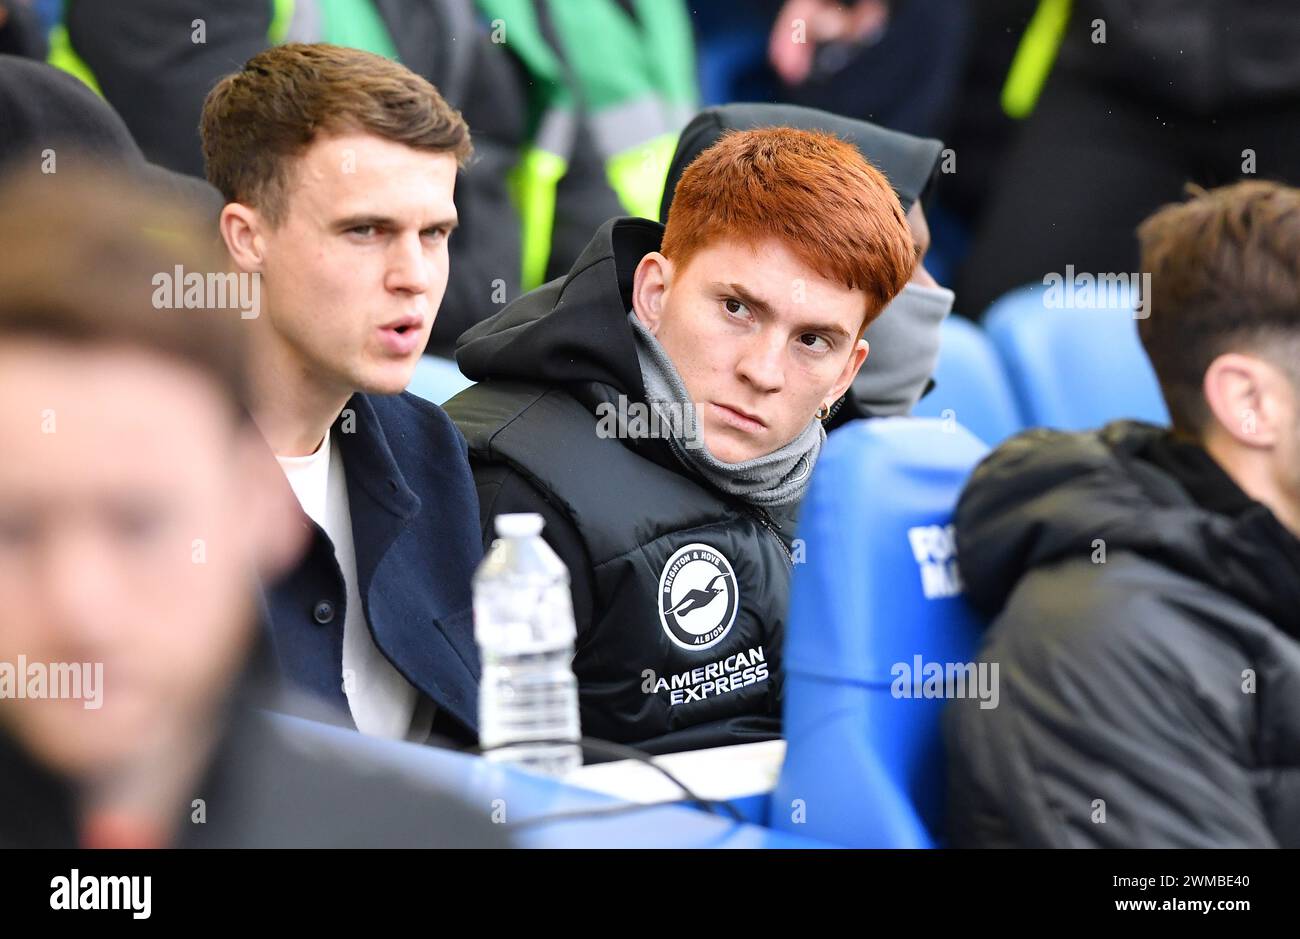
(418, 618)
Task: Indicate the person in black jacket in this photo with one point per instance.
(137, 511)
(1144, 583)
(663, 407)
(338, 167)
(1144, 96)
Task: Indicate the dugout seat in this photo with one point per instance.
(1075, 367)
(878, 588)
(971, 384)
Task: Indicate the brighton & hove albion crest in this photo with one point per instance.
(698, 597)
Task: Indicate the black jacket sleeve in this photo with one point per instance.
(1123, 718)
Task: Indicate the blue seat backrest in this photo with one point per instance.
(437, 379)
(971, 384)
(877, 589)
(1075, 367)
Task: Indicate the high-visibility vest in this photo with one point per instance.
(631, 78)
(353, 23)
(1034, 57)
(634, 78)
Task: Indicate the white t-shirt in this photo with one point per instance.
(382, 702)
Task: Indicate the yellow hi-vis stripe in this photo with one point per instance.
(63, 56)
(1034, 58)
(532, 184)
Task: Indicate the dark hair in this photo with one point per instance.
(79, 258)
(257, 120)
(1225, 276)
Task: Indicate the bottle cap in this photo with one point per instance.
(519, 524)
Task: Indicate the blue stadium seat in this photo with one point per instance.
(437, 379)
(1074, 368)
(877, 589)
(971, 384)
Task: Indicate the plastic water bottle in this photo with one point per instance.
(523, 622)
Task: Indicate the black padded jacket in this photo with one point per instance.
(1147, 632)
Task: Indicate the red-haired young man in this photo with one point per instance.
(663, 406)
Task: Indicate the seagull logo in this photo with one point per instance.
(698, 596)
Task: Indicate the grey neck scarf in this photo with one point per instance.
(904, 348)
(777, 479)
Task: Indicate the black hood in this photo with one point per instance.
(1047, 496)
(573, 332)
(908, 162)
(903, 344)
(43, 108)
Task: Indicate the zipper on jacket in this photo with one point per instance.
(769, 523)
(762, 515)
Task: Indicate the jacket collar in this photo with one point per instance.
(38, 806)
(35, 805)
(368, 458)
(1260, 555)
(1046, 495)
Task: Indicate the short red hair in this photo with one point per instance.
(812, 191)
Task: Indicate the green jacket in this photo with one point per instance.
(625, 72)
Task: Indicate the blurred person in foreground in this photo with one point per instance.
(53, 123)
(339, 168)
(663, 406)
(1144, 582)
(137, 512)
